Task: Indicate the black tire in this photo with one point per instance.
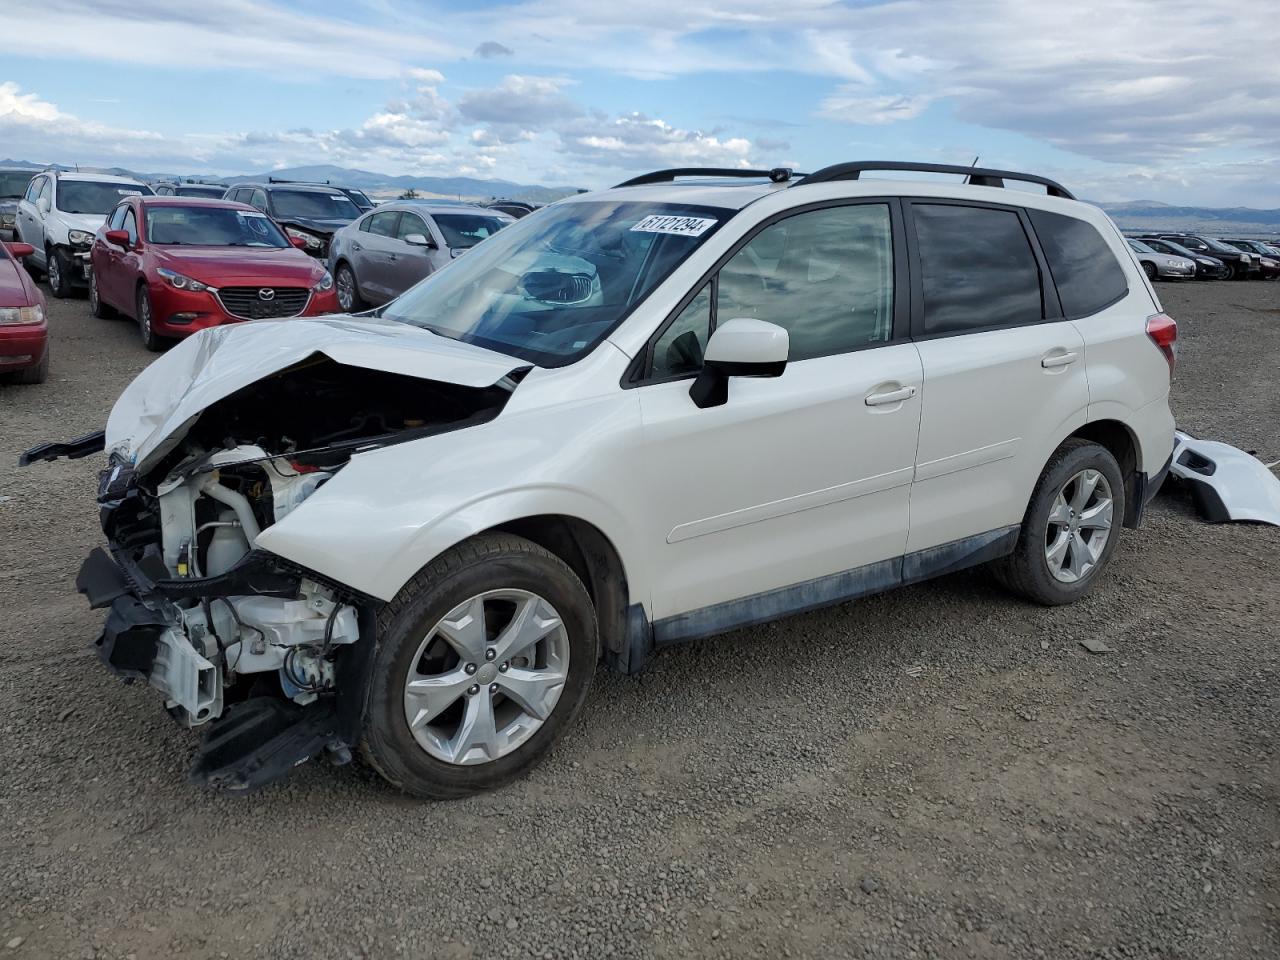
(345, 275)
(486, 562)
(1150, 270)
(96, 306)
(142, 313)
(1228, 271)
(1026, 571)
(58, 269)
(37, 374)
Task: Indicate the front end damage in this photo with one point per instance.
(269, 658)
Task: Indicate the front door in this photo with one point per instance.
(1004, 373)
(795, 491)
(410, 262)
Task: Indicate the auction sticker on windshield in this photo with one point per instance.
(680, 226)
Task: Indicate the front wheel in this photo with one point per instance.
(1071, 526)
(58, 268)
(348, 292)
(483, 661)
(145, 320)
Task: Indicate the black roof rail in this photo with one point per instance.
(777, 174)
(978, 176)
(310, 183)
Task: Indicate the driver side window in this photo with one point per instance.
(117, 217)
(825, 276)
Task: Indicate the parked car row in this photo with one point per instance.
(1187, 256)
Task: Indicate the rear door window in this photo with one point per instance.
(1084, 269)
(978, 269)
(384, 224)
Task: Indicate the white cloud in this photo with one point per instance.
(851, 104)
(520, 100)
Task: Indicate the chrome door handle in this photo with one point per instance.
(1058, 360)
(893, 396)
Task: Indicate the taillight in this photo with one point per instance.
(1163, 331)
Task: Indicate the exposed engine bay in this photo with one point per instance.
(229, 634)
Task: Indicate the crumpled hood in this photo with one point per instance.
(322, 227)
(155, 411)
(89, 222)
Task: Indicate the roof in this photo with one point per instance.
(264, 185)
(440, 206)
(213, 202)
(94, 177)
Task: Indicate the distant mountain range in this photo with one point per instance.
(1133, 215)
(379, 185)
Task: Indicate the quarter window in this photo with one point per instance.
(130, 226)
(680, 348)
(1084, 269)
(977, 268)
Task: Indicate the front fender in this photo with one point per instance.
(389, 512)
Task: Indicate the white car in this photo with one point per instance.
(59, 215)
(637, 417)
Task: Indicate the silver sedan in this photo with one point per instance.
(385, 252)
(1162, 265)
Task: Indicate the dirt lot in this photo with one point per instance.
(787, 791)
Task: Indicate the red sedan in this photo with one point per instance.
(181, 264)
(24, 336)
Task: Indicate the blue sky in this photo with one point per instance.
(1123, 99)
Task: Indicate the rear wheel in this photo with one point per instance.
(348, 292)
(1070, 528)
(483, 662)
(96, 305)
(1150, 270)
(143, 313)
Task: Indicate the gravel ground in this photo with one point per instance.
(938, 772)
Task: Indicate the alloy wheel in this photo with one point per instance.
(144, 318)
(346, 289)
(486, 677)
(54, 270)
(1080, 525)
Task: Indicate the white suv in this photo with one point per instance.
(59, 215)
(636, 417)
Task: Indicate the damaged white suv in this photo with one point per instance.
(698, 401)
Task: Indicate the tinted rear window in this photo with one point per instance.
(1083, 267)
(978, 268)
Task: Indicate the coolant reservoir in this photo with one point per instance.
(227, 546)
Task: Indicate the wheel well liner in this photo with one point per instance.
(594, 559)
(1120, 441)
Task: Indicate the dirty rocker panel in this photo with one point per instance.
(643, 637)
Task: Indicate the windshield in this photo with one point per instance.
(1218, 246)
(360, 198)
(313, 205)
(191, 190)
(1140, 246)
(92, 196)
(212, 227)
(551, 286)
(1168, 246)
(13, 183)
(463, 230)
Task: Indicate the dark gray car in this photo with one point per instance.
(13, 184)
(385, 252)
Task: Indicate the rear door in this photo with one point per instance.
(373, 261)
(795, 491)
(1004, 371)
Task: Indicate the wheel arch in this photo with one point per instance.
(592, 556)
(1122, 443)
